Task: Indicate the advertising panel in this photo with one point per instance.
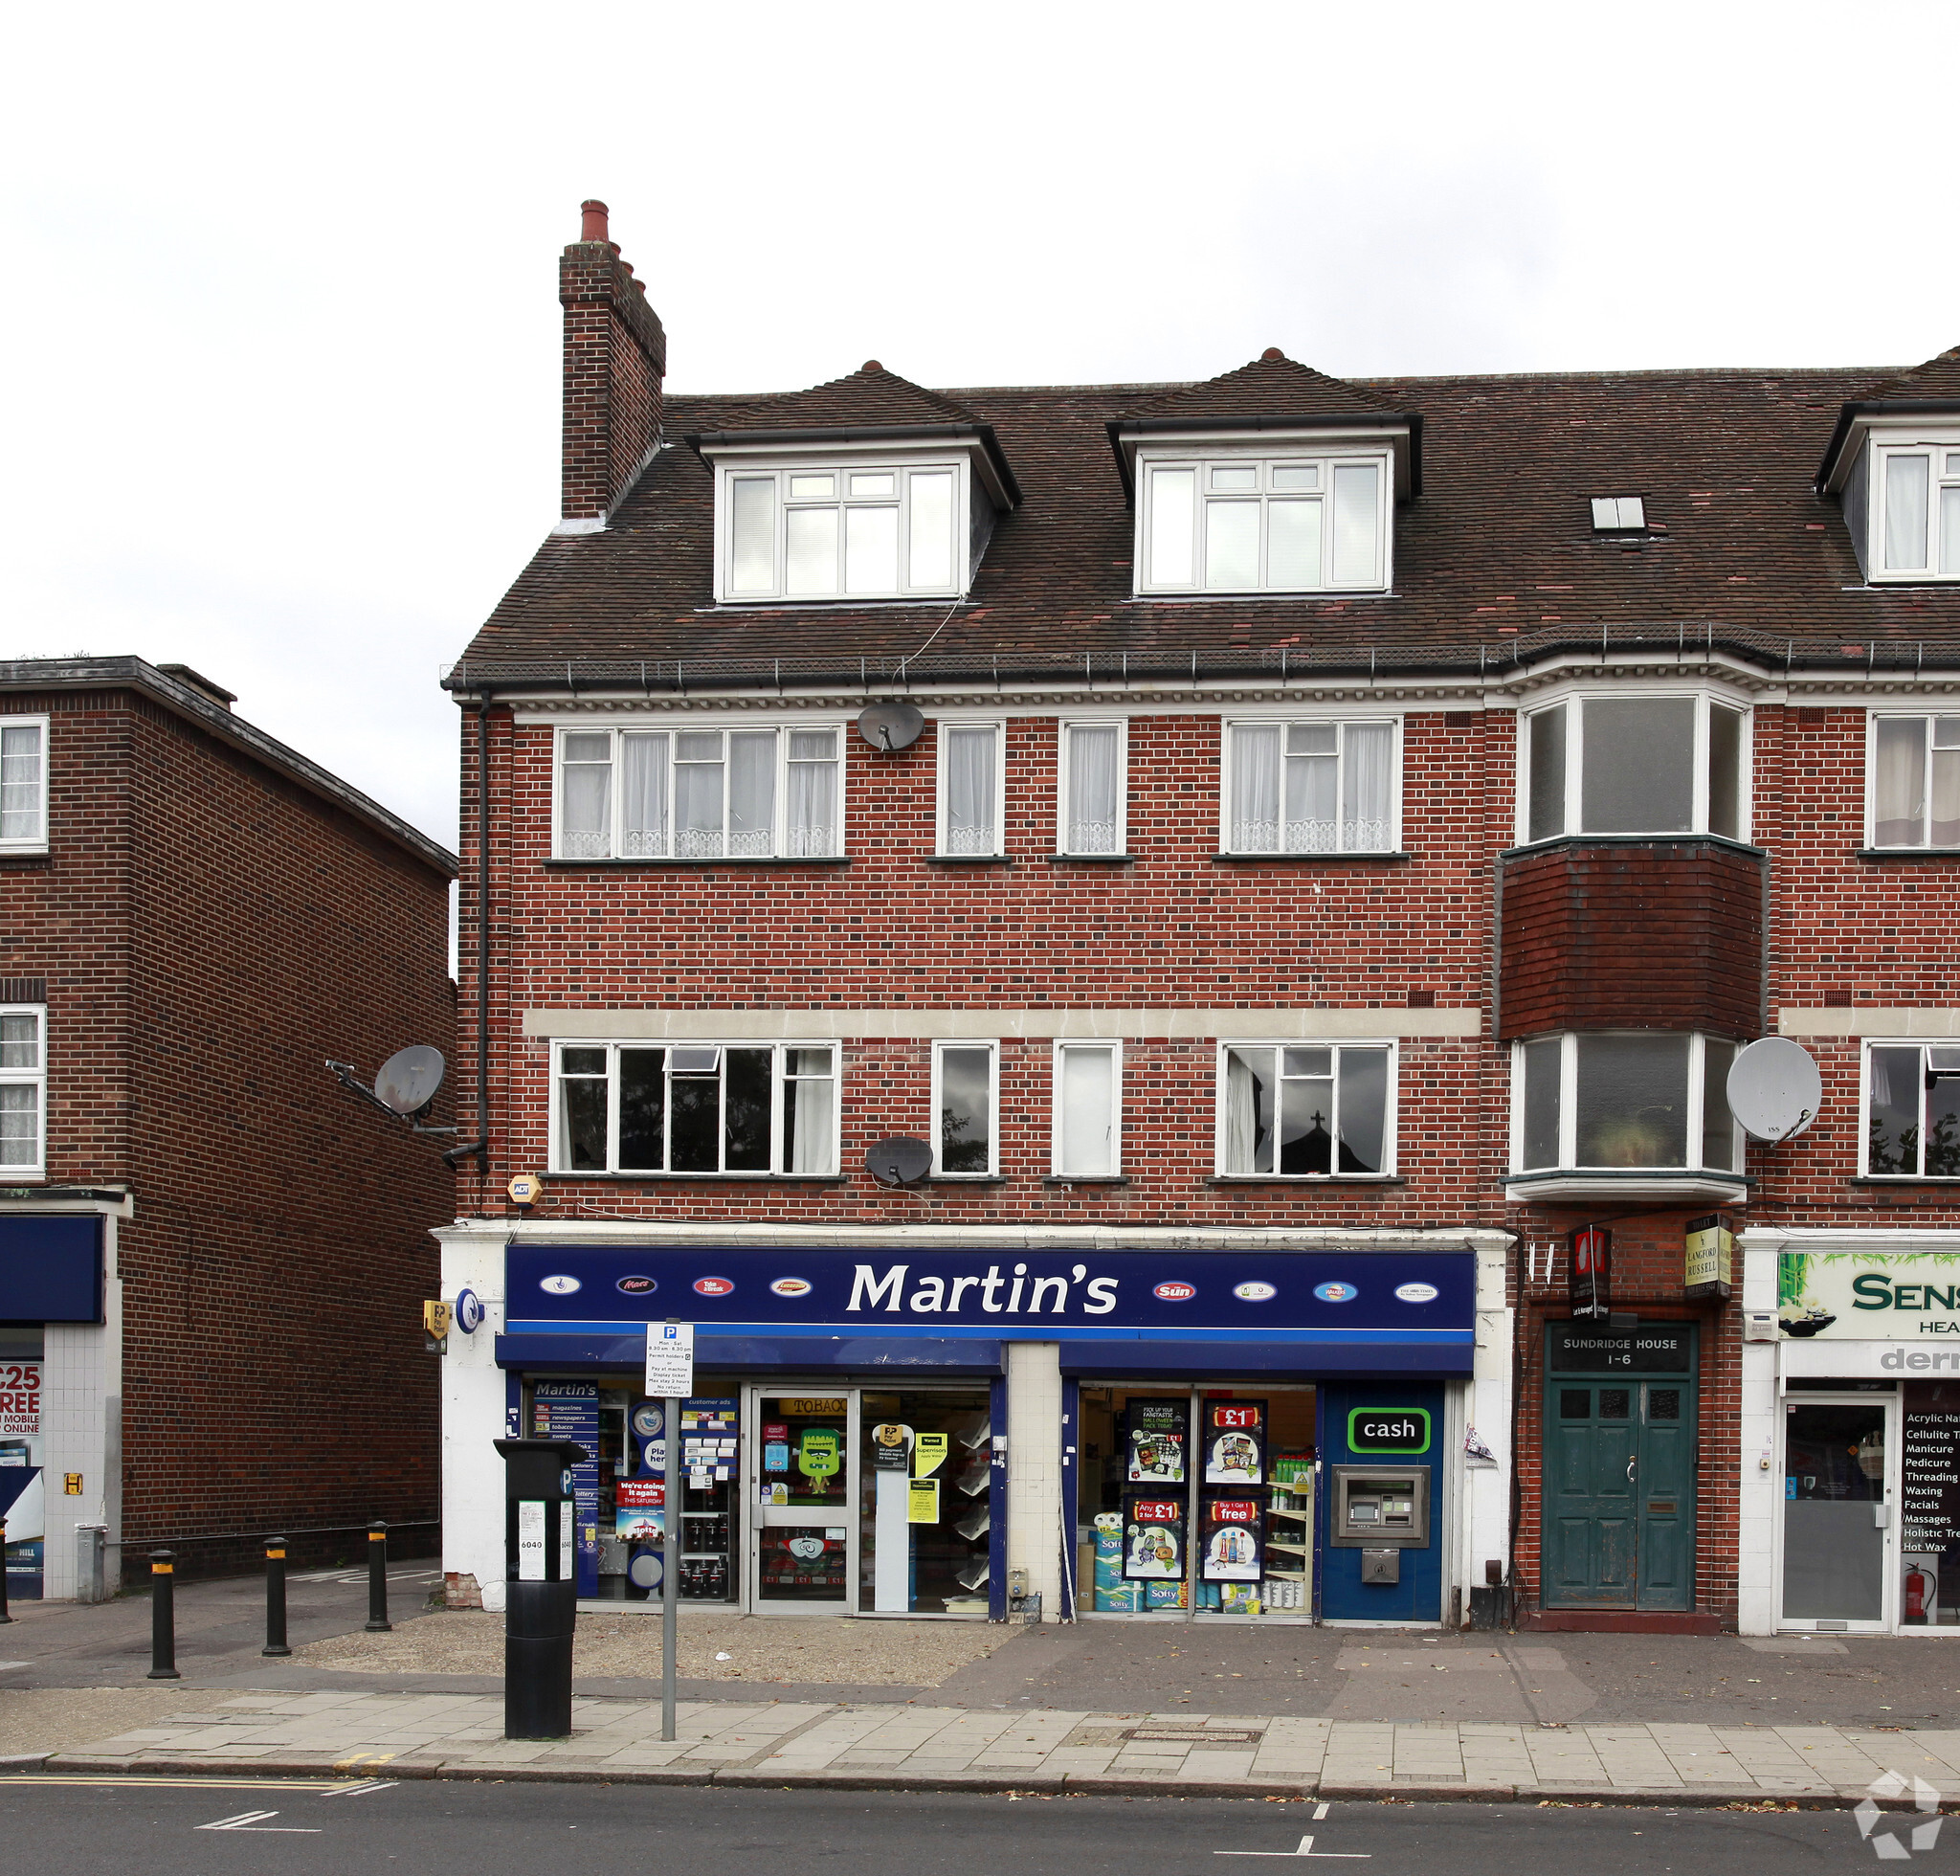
(1235, 1443)
(1153, 1538)
(1156, 1433)
(22, 1506)
(569, 1410)
(1869, 1296)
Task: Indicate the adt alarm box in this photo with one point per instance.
(1380, 1560)
(540, 1585)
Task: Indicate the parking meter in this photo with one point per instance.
(541, 1587)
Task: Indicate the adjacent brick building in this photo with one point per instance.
(212, 1258)
(1353, 824)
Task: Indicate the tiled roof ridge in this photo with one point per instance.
(869, 395)
(1271, 384)
(1938, 376)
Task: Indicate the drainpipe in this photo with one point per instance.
(481, 1146)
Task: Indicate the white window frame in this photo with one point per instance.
(1926, 717)
(35, 1077)
(1227, 780)
(992, 1051)
(943, 742)
(1568, 1110)
(1391, 1105)
(843, 464)
(31, 843)
(1113, 1049)
(779, 727)
(1329, 457)
(1938, 444)
(779, 1084)
(1574, 698)
(1922, 1046)
(1064, 781)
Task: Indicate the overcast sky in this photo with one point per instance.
(279, 335)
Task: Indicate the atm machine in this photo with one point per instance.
(1382, 1556)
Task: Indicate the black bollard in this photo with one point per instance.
(378, 1623)
(275, 1598)
(4, 1615)
(163, 1617)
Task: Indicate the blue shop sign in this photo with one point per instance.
(51, 1269)
(1392, 1300)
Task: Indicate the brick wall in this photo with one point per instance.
(1661, 934)
(210, 932)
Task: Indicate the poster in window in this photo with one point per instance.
(1156, 1434)
(1235, 1443)
(22, 1506)
(1234, 1551)
(1153, 1538)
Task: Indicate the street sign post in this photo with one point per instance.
(670, 1376)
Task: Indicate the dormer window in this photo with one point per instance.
(844, 529)
(1915, 528)
(1245, 523)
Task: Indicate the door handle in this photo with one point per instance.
(1630, 1469)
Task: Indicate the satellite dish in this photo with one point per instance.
(409, 1078)
(891, 726)
(1774, 1090)
(900, 1161)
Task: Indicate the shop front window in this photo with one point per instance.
(1198, 1502)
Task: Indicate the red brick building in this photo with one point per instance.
(1355, 824)
(212, 1258)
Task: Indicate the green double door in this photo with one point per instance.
(1620, 1492)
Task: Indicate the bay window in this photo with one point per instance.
(1634, 765)
(23, 784)
(1311, 787)
(1306, 1111)
(23, 1088)
(966, 1098)
(1262, 523)
(843, 530)
(1915, 781)
(674, 793)
(1912, 1111)
(971, 802)
(1620, 1100)
(1915, 520)
(1091, 786)
(1088, 1107)
(685, 1107)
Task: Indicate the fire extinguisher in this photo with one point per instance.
(1922, 1588)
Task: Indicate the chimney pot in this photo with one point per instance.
(871, 365)
(593, 222)
(1271, 353)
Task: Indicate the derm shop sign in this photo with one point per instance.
(1391, 1298)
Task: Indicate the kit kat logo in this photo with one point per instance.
(1175, 1292)
(788, 1286)
(635, 1285)
(712, 1286)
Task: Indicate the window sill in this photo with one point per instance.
(30, 856)
(1944, 1181)
(1553, 840)
(958, 1179)
(761, 860)
(968, 859)
(1395, 859)
(1306, 1179)
(1090, 859)
(1877, 856)
(1085, 1179)
(1636, 1185)
(709, 1179)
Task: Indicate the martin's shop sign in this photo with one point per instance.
(1402, 1311)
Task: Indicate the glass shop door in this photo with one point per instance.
(799, 1491)
(1838, 1514)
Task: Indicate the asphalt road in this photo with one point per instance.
(207, 1828)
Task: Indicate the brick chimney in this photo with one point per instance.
(615, 355)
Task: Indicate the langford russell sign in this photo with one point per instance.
(1217, 1295)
